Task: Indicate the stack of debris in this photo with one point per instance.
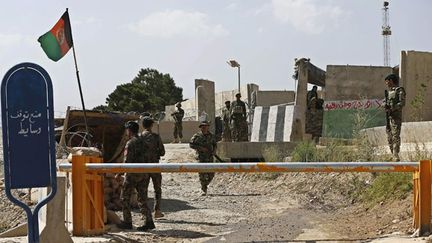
(112, 190)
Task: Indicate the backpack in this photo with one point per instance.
(150, 144)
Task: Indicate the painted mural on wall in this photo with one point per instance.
(340, 117)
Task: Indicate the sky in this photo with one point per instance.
(192, 39)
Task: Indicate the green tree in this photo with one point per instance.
(149, 91)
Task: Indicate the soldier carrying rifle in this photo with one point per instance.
(178, 115)
(204, 143)
(394, 102)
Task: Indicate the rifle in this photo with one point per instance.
(218, 158)
(215, 155)
(386, 107)
(174, 117)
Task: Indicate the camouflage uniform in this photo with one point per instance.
(134, 154)
(178, 127)
(154, 149)
(226, 125)
(310, 94)
(314, 119)
(395, 102)
(238, 121)
(198, 141)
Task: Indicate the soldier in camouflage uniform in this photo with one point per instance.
(205, 145)
(394, 102)
(314, 119)
(153, 150)
(238, 120)
(226, 136)
(178, 126)
(134, 153)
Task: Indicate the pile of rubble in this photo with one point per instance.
(112, 191)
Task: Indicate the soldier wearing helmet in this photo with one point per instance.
(238, 120)
(204, 143)
(178, 115)
(226, 135)
(134, 153)
(394, 102)
(153, 150)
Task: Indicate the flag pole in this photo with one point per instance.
(80, 90)
(79, 85)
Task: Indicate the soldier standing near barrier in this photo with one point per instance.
(394, 102)
(153, 150)
(134, 153)
(238, 120)
(178, 115)
(226, 137)
(204, 143)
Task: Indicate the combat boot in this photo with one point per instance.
(158, 214)
(179, 141)
(124, 225)
(175, 140)
(204, 190)
(148, 226)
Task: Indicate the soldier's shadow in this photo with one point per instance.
(170, 205)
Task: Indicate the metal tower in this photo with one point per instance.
(386, 32)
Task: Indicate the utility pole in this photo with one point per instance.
(386, 33)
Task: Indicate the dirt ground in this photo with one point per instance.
(295, 207)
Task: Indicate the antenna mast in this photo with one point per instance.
(386, 32)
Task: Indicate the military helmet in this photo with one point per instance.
(238, 95)
(178, 104)
(145, 113)
(204, 123)
(393, 77)
(132, 125)
(227, 102)
(147, 121)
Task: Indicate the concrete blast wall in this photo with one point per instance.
(188, 106)
(269, 98)
(205, 100)
(246, 92)
(344, 82)
(416, 78)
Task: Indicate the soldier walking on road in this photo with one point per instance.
(204, 143)
(134, 153)
(153, 150)
(238, 120)
(226, 135)
(178, 115)
(394, 102)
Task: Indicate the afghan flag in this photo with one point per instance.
(57, 42)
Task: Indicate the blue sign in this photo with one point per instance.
(28, 135)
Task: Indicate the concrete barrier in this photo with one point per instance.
(272, 123)
(51, 217)
(166, 129)
(251, 150)
(412, 132)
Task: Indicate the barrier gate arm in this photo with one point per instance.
(421, 171)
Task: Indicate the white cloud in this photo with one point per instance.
(89, 20)
(232, 6)
(307, 15)
(10, 39)
(171, 23)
